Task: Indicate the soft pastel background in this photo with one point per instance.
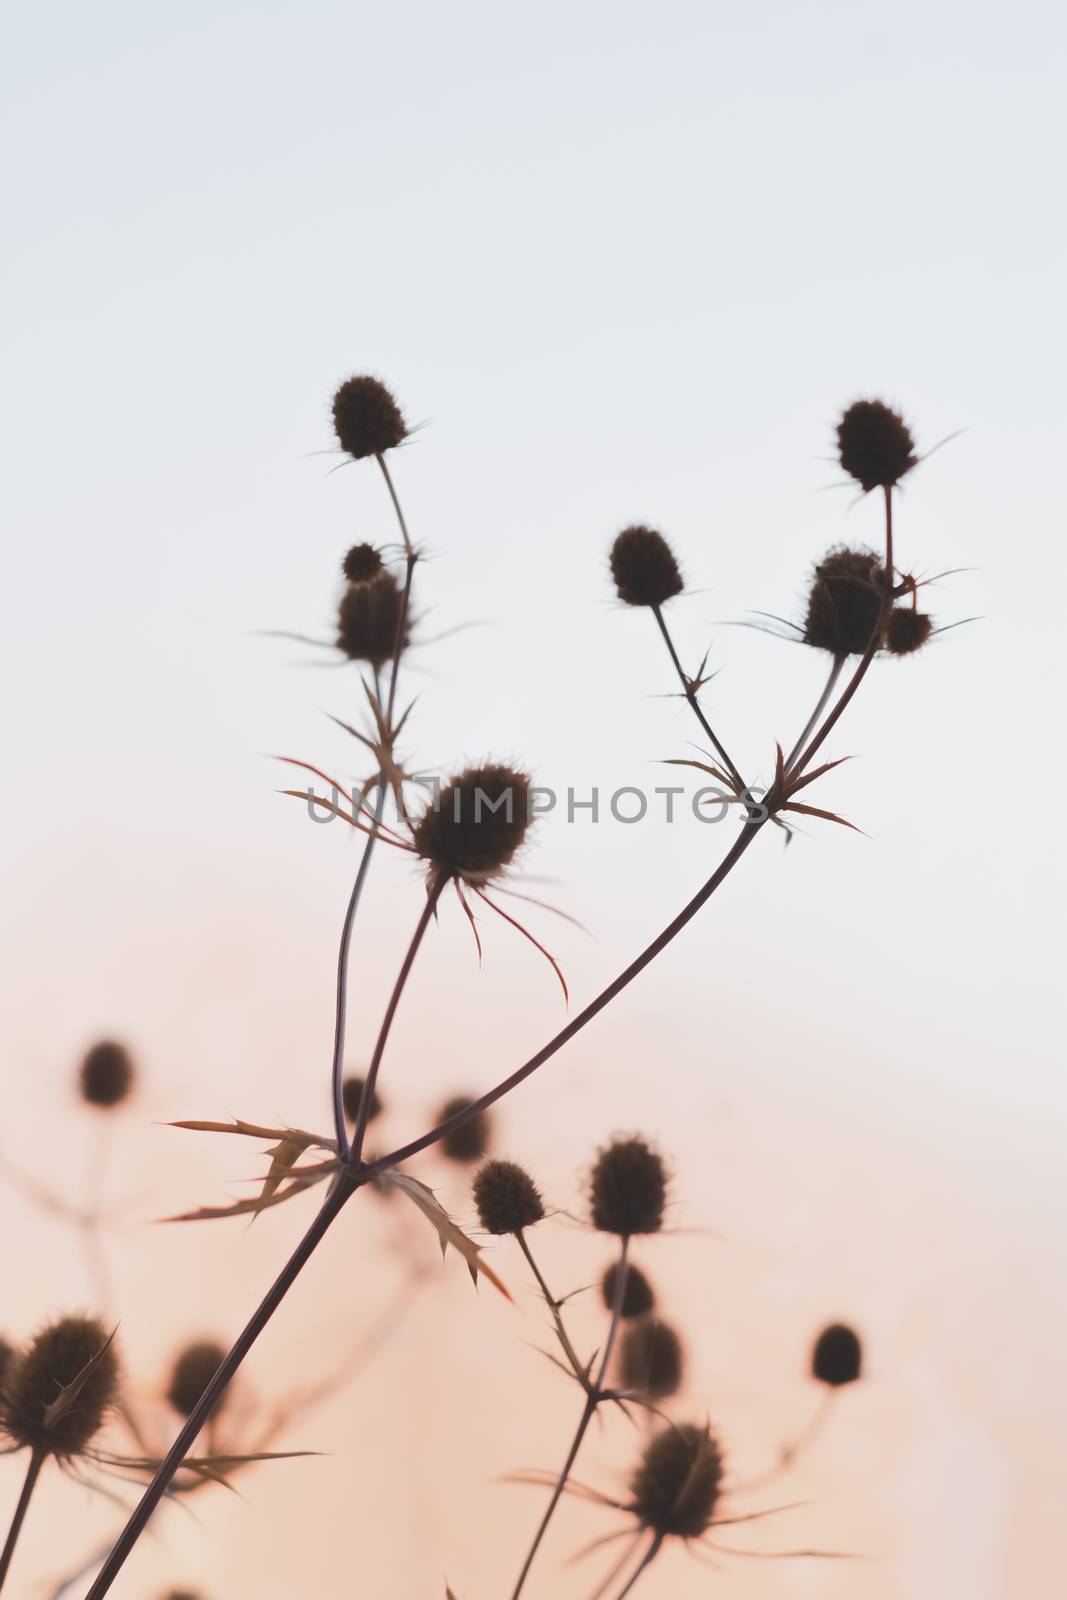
(625, 262)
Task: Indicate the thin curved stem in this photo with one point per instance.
(557, 1317)
(820, 707)
(691, 696)
(33, 1472)
(341, 999)
(646, 1561)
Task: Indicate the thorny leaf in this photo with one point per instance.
(69, 1392)
(816, 811)
(448, 1232)
(291, 1145)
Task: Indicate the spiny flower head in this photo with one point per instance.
(193, 1369)
(368, 620)
(352, 1093)
(907, 630)
(362, 564)
(58, 1391)
(506, 1197)
(644, 568)
(678, 1482)
(875, 445)
(471, 1141)
(628, 1188)
(366, 418)
(650, 1358)
(837, 1357)
(637, 1295)
(106, 1075)
(476, 824)
(845, 602)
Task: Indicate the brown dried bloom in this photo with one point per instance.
(507, 1198)
(845, 602)
(907, 630)
(58, 1391)
(352, 1094)
(837, 1357)
(644, 568)
(650, 1359)
(637, 1296)
(368, 620)
(629, 1188)
(678, 1483)
(875, 445)
(362, 564)
(106, 1075)
(366, 418)
(476, 824)
(194, 1367)
(471, 1141)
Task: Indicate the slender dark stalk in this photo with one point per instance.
(408, 546)
(33, 1472)
(691, 696)
(553, 1305)
(341, 998)
(820, 707)
(646, 1561)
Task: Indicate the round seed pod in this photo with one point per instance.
(471, 1141)
(650, 1359)
(105, 1077)
(352, 1093)
(874, 445)
(362, 564)
(837, 1356)
(644, 568)
(628, 1188)
(678, 1482)
(193, 1369)
(72, 1354)
(507, 1198)
(637, 1297)
(368, 620)
(366, 418)
(477, 823)
(845, 602)
(907, 630)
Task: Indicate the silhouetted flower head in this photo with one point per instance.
(476, 824)
(193, 1370)
(507, 1198)
(366, 418)
(837, 1357)
(471, 1141)
(58, 1391)
(845, 602)
(650, 1358)
(106, 1075)
(368, 620)
(875, 445)
(637, 1296)
(362, 564)
(907, 630)
(644, 568)
(352, 1093)
(677, 1485)
(628, 1188)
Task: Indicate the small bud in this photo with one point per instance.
(366, 418)
(837, 1357)
(193, 1370)
(845, 602)
(907, 630)
(644, 568)
(59, 1390)
(650, 1359)
(362, 564)
(368, 620)
(875, 445)
(352, 1093)
(471, 1141)
(629, 1187)
(637, 1296)
(476, 824)
(106, 1075)
(507, 1198)
(677, 1485)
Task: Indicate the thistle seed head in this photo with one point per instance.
(368, 620)
(678, 1483)
(650, 1359)
(470, 1142)
(106, 1075)
(907, 630)
(477, 823)
(874, 445)
(845, 602)
(58, 1391)
(644, 568)
(362, 564)
(837, 1356)
(366, 418)
(637, 1297)
(507, 1198)
(628, 1188)
(352, 1093)
(193, 1369)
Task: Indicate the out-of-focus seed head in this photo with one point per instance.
(506, 1197)
(644, 568)
(471, 1141)
(678, 1482)
(362, 564)
(837, 1356)
(476, 824)
(58, 1391)
(352, 1093)
(650, 1358)
(366, 418)
(368, 620)
(845, 602)
(182, 1594)
(637, 1295)
(907, 630)
(875, 445)
(105, 1077)
(193, 1369)
(628, 1188)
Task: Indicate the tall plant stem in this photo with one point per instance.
(820, 707)
(29, 1484)
(691, 696)
(553, 1305)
